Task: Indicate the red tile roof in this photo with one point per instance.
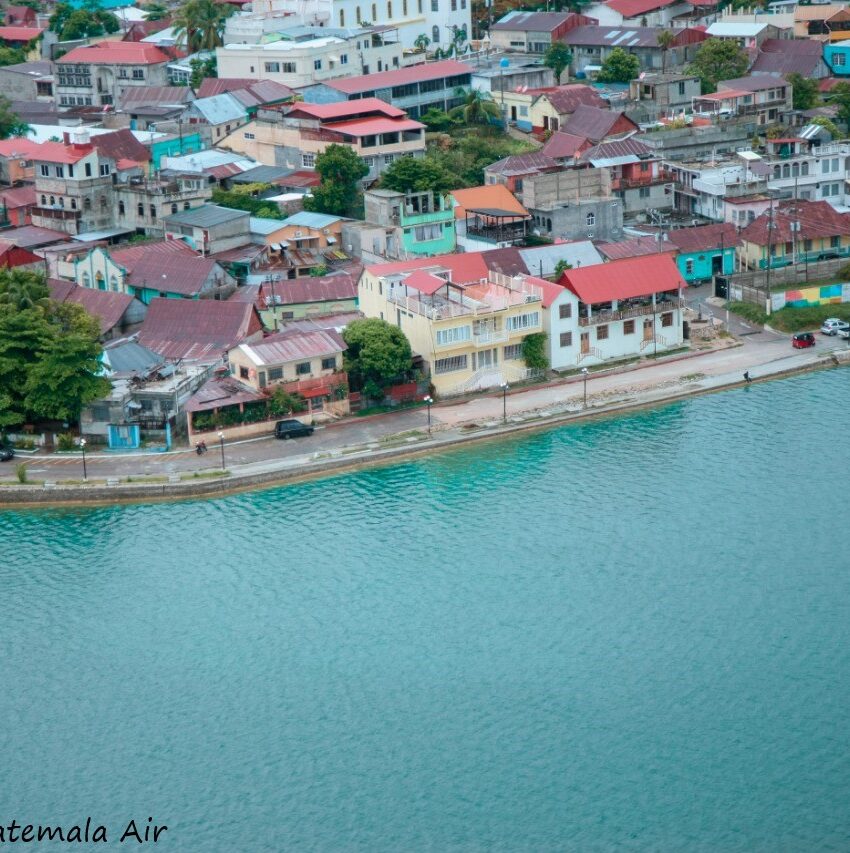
(59, 152)
(20, 33)
(633, 8)
(116, 53)
(197, 329)
(19, 147)
(399, 77)
(345, 109)
(465, 267)
(374, 125)
(18, 197)
(624, 279)
(702, 238)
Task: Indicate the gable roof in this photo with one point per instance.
(262, 92)
(20, 33)
(816, 219)
(624, 279)
(751, 83)
(326, 288)
(121, 145)
(634, 247)
(635, 8)
(311, 219)
(701, 238)
(566, 99)
(207, 215)
(561, 145)
(464, 267)
(344, 109)
(107, 306)
(116, 53)
(128, 256)
(594, 123)
(293, 345)
(155, 96)
(221, 391)
(398, 77)
(522, 164)
(216, 85)
(491, 196)
(537, 22)
(18, 197)
(197, 329)
(613, 149)
(179, 272)
(608, 36)
(220, 108)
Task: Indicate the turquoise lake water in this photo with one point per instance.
(632, 634)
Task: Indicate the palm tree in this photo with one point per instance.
(202, 22)
(664, 40)
(478, 108)
(421, 42)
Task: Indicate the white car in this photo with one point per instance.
(833, 326)
(844, 333)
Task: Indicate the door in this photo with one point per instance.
(513, 113)
(585, 343)
(647, 329)
(717, 265)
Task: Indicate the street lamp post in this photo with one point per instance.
(428, 402)
(505, 387)
(221, 444)
(584, 376)
(83, 448)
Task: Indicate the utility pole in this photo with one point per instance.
(769, 250)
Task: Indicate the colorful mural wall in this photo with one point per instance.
(809, 296)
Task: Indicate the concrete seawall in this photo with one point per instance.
(294, 470)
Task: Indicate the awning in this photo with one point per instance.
(331, 239)
(91, 236)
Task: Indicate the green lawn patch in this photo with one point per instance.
(750, 312)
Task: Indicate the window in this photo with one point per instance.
(590, 220)
(113, 283)
(88, 170)
(435, 32)
(450, 365)
(302, 368)
(404, 8)
(374, 13)
(566, 339)
(419, 6)
(512, 352)
(86, 204)
(342, 17)
(45, 171)
(358, 15)
(140, 209)
(273, 67)
(389, 9)
(289, 67)
(329, 363)
(104, 169)
(343, 59)
(667, 319)
(388, 158)
(60, 172)
(174, 207)
(456, 334)
(689, 266)
(249, 136)
(602, 333)
(628, 327)
(86, 280)
(643, 192)
(681, 88)
(435, 5)
(454, 5)
(565, 312)
(523, 321)
(52, 201)
(839, 59)
(824, 166)
(243, 373)
(835, 242)
(807, 245)
(275, 373)
(317, 64)
(44, 201)
(153, 213)
(308, 161)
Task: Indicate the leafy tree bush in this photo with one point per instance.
(806, 92)
(11, 123)
(619, 67)
(534, 351)
(378, 354)
(417, 174)
(561, 267)
(718, 59)
(558, 57)
(246, 198)
(341, 171)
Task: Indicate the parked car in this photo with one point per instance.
(291, 429)
(803, 340)
(6, 453)
(844, 333)
(833, 326)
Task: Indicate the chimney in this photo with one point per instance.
(66, 138)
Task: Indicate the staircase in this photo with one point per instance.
(650, 342)
(593, 352)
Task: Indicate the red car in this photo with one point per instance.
(803, 340)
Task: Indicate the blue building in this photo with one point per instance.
(705, 251)
(837, 58)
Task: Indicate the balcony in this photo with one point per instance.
(59, 213)
(629, 312)
(643, 181)
(489, 337)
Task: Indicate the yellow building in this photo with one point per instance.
(468, 334)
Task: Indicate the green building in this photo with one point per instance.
(424, 221)
(705, 250)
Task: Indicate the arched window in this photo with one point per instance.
(786, 170)
(389, 9)
(86, 280)
(87, 204)
(61, 201)
(777, 171)
(73, 204)
(357, 14)
(804, 169)
(342, 17)
(374, 12)
(795, 170)
(174, 207)
(435, 35)
(100, 281)
(113, 283)
(44, 201)
(590, 219)
(121, 210)
(52, 201)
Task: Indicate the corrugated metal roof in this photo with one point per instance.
(399, 77)
(624, 279)
(206, 215)
(537, 22)
(220, 108)
(327, 288)
(128, 357)
(221, 391)
(116, 53)
(542, 260)
(313, 220)
(293, 345)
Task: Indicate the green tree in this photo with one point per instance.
(248, 197)
(619, 67)
(11, 56)
(438, 121)
(839, 95)
(478, 108)
(202, 23)
(155, 11)
(378, 354)
(561, 267)
(415, 174)
(558, 57)
(534, 351)
(83, 23)
(718, 59)
(201, 69)
(49, 353)
(806, 91)
(11, 123)
(341, 171)
(823, 121)
(421, 42)
(665, 41)
(61, 13)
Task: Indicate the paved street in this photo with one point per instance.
(762, 353)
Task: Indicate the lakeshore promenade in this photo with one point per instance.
(355, 442)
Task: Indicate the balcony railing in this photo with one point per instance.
(56, 213)
(643, 181)
(628, 313)
(481, 339)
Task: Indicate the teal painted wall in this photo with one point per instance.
(172, 147)
(443, 245)
(696, 266)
